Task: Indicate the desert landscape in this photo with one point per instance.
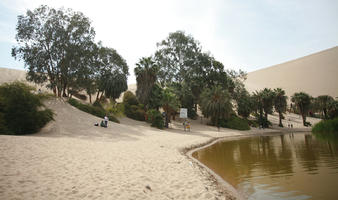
(73, 159)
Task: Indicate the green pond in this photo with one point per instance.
(287, 166)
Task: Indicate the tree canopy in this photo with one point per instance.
(57, 46)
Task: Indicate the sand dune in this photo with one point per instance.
(315, 74)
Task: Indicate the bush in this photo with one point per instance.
(326, 127)
(97, 104)
(21, 110)
(155, 118)
(235, 123)
(96, 111)
(129, 98)
(135, 112)
(116, 108)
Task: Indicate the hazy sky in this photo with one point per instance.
(246, 35)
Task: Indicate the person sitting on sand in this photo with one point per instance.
(106, 120)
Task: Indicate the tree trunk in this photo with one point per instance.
(97, 95)
(280, 119)
(64, 91)
(325, 114)
(101, 96)
(304, 119)
(54, 90)
(90, 98)
(59, 91)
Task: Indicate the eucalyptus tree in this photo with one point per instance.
(176, 55)
(51, 43)
(216, 104)
(323, 103)
(280, 103)
(302, 101)
(146, 77)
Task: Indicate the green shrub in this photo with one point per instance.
(97, 111)
(135, 112)
(155, 118)
(235, 122)
(129, 98)
(97, 104)
(326, 127)
(116, 108)
(21, 110)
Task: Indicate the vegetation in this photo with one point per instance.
(97, 111)
(302, 102)
(280, 103)
(155, 118)
(216, 103)
(235, 122)
(324, 102)
(326, 127)
(21, 111)
(132, 108)
(146, 77)
(57, 46)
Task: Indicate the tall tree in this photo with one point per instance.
(302, 101)
(111, 72)
(324, 101)
(267, 97)
(176, 55)
(216, 103)
(245, 103)
(280, 103)
(51, 43)
(146, 77)
(259, 105)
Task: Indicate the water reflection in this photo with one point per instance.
(291, 166)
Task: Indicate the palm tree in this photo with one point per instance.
(280, 103)
(258, 100)
(324, 101)
(302, 101)
(169, 102)
(146, 77)
(216, 103)
(267, 98)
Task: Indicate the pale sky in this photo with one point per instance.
(247, 35)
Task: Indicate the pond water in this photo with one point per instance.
(287, 166)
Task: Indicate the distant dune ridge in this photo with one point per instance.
(315, 74)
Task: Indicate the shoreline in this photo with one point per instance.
(221, 183)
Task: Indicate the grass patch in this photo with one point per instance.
(235, 123)
(94, 110)
(326, 127)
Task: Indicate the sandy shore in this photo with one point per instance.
(72, 159)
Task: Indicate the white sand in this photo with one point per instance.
(72, 159)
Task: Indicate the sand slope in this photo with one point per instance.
(72, 159)
(315, 74)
